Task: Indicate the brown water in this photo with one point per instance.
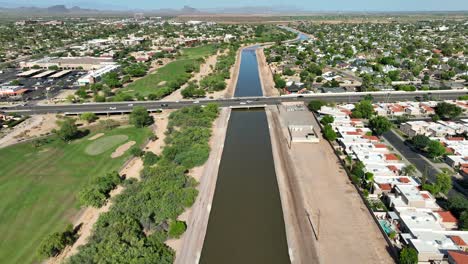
(246, 221)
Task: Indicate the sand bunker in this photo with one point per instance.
(121, 150)
(96, 136)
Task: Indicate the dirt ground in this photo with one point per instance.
(89, 216)
(32, 127)
(265, 74)
(188, 247)
(345, 229)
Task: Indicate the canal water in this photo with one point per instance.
(248, 82)
(246, 222)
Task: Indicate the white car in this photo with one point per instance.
(112, 108)
(243, 103)
(196, 102)
(130, 104)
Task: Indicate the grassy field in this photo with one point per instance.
(169, 72)
(39, 186)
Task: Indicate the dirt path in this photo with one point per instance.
(188, 247)
(301, 241)
(346, 231)
(90, 215)
(265, 74)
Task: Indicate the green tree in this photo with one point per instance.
(420, 141)
(435, 149)
(447, 110)
(315, 105)
(363, 109)
(97, 191)
(444, 182)
(380, 124)
(111, 79)
(53, 244)
(150, 158)
(140, 117)
(328, 119)
(88, 117)
(409, 170)
(329, 133)
(136, 151)
(463, 221)
(457, 204)
(67, 129)
(408, 255)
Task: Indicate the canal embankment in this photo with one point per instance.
(188, 247)
(345, 230)
(299, 230)
(266, 75)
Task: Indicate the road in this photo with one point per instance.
(125, 107)
(420, 162)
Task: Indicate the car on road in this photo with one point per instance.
(130, 104)
(249, 101)
(243, 103)
(112, 108)
(300, 96)
(196, 102)
(164, 105)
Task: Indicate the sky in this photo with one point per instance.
(306, 5)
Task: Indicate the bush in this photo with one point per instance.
(408, 255)
(97, 191)
(177, 228)
(88, 117)
(53, 244)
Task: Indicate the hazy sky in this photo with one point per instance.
(310, 5)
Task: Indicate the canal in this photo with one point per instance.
(248, 82)
(246, 222)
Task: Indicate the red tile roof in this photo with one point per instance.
(459, 257)
(458, 241)
(447, 217)
(404, 180)
(371, 138)
(380, 145)
(392, 168)
(355, 133)
(465, 171)
(390, 157)
(425, 196)
(385, 186)
(456, 138)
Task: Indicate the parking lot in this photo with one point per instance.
(39, 88)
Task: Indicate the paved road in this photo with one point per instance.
(125, 107)
(419, 161)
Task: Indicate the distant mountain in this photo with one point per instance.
(57, 9)
(188, 10)
(256, 10)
